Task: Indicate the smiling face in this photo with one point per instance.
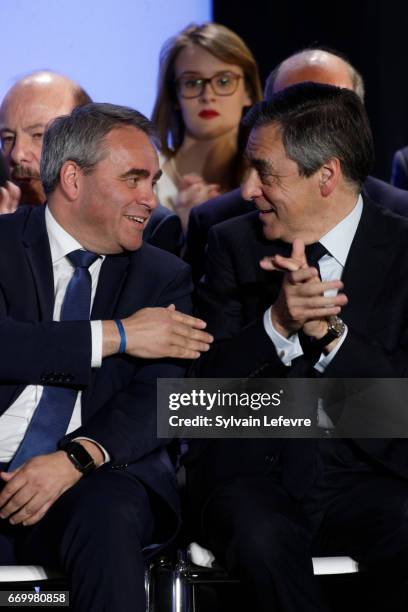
(290, 204)
(112, 204)
(24, 114)
(210, 115)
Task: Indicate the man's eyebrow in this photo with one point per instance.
(135, 172)
(262, 166)
(141, 173)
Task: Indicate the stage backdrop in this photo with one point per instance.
(111, 47)
(373, 33)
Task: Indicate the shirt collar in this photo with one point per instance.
(338, 240)
(61, 243)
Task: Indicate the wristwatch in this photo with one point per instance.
(335, 329)
(79, 457)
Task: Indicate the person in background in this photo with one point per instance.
(29, 105)
(27, 108)
(399, 173)
(208, 76)
(319, 66)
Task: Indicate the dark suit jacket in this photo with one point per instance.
(119, 398)
(399, 172)
(231, 204)
(164, 230)
(235, 295)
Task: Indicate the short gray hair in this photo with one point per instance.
(319, 122)
(78, 137)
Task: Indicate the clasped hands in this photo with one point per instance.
(301, 304)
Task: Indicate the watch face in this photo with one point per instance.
(336, 326)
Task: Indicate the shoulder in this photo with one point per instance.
(384, 222)
(402, 154)
(159, 265)
(387, 195)
(14, 224)
(243, 227)
(222, 207)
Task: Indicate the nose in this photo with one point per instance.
(251, 186)
(149, 199)
(20, 152)
(207, 92)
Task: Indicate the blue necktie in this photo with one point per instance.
(53, 413)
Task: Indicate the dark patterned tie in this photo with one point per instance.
(54, 410)
(314, 253)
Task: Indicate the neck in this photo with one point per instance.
(334, 212)
(212, 159)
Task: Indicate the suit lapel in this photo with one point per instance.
(368, 265)
(38, 253)
(111, 279)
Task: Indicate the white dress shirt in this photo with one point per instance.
(15, 420)
(338, 242)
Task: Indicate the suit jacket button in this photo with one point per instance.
(269, 459)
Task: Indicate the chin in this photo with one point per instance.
(272, 232)
(31, 194)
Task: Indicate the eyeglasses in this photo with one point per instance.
(222, 84)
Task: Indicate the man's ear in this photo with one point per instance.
(70, 176)
(329, 175)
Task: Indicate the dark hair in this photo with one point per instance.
(221, 42)
(355, 76)
(79, 137)
(81, 97)
(317, 123)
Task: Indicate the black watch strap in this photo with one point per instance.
(79, 457)
(336, 329)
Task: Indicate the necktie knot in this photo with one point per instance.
(314, 252)
(82, 259)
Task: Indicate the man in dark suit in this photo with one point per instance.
(315, 65)
(269, 505)
(85, 483)
(29, 105)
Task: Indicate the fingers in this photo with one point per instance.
(31, 511)
(191, 339)
(14, 191)
(283, 264)
(298, 251)
(9, 198)
(188, 320)
(32, 519)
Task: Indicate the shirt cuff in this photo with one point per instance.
(96, 331)
(287, 349)
(105, 452)
(324, 360)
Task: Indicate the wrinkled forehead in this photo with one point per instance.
(129, 147)
(35, 104)
(265, 140)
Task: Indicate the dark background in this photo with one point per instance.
(373, 34)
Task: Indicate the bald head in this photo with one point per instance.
(314, 65)
(27, 108)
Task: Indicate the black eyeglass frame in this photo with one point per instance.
(204, 82)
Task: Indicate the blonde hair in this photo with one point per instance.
(220, 42)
